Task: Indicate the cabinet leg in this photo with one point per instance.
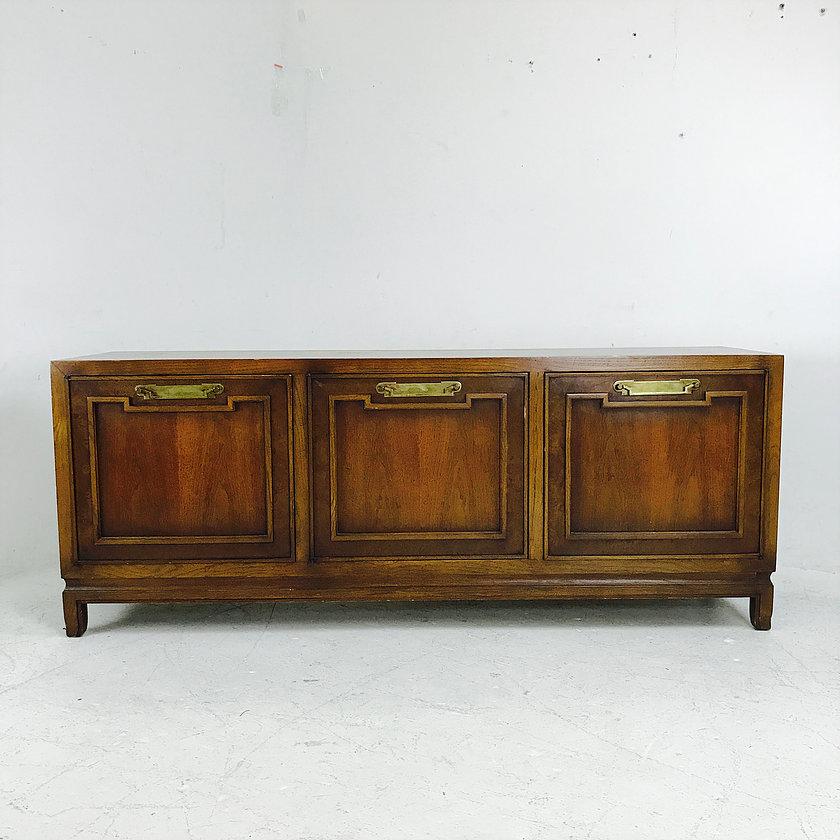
(75, 614)
(761, 608)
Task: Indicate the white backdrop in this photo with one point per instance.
(420, 174)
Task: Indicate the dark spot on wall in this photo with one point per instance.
(682, 134)
(634, 34)
(597, 59)
(531, 65)
(822, 11)
(650, 55)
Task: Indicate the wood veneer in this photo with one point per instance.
(300, 480)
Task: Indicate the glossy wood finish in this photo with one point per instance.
(654, 474)
(182, 479)
(418, 497)
(420, 476)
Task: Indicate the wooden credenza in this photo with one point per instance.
(516, 475)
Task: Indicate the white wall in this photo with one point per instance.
(420, 174)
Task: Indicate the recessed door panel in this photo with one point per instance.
(419, 467)
(642, 463)
(177, 468)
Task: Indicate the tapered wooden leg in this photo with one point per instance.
(761, 608)
(75, 614)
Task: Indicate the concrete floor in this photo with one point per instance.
(509, 721)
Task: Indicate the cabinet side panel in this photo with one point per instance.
(63, 468)
(772, 460)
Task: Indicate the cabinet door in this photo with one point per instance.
(418, 466)
(182, 468)
(654, 463)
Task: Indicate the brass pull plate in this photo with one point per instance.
(179, 392)
(655, 387)
(418, 389)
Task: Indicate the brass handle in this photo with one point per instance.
(418, 389)
(655, 387)
(179, 392)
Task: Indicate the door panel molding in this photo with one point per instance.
(499, 534)
(501, 529)
(205, 515)
(606, 402)
(566, 539)
(266, 536)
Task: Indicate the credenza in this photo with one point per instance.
(532, 474)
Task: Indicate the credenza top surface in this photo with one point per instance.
(496, 353)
